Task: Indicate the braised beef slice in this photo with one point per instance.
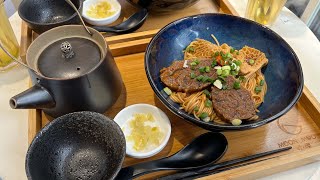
(178, 78)
(232, 103)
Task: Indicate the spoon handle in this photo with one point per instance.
(186, 174)
(105, 29)
(137, 170)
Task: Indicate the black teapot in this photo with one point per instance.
(70, 71)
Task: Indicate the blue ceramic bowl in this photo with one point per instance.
(283, 73)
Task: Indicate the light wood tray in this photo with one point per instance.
(299, 128)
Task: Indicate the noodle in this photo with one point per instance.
(195, 103)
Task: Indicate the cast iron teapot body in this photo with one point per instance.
(91, 85)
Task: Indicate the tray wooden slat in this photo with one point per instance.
(299, 128)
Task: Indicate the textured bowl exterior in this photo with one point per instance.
(283, 74)
(80, 145)
(43, 15)
(163, 6)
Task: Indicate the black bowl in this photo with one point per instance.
(163, 6)
(283, 73)
(42, 15)
(81, 145)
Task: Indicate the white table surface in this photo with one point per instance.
(14, 125)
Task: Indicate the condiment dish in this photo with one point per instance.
(115, 6)
(161, 120)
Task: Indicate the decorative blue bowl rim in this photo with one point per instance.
(209, 125)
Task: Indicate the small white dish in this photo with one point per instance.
(115, 5)
(161, 118)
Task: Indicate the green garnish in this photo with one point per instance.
(233, 73)
(242, 78)
(225, 72)
(207, 69)
(224, 86)
(193, 64)
(216, 53)
(207, 93)
(232, 50)
(196, 109)
(261, 82)
(190, 49)
(228, 55)
(205, 78)
(208, 103)
(236, 85)
(167, 91)
(203, 115)
(199, 78)
(251, 61)
(237, 62)
(196, 61)
(219, 71)
(226, 67)
(257, 89)
(202, 69)
(214, 63)
(192, 75)
(237, 53)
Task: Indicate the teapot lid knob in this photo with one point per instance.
(67, 51)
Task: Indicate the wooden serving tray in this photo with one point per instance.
(299, 128)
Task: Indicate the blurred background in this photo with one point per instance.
(307, 10)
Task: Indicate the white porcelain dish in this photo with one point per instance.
(127, 114)
(103, 21)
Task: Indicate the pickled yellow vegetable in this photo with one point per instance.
(100, 10)
(143, 133)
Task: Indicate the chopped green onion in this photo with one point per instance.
(236, 85)
(199, 78)
(196, 109)
(208, 103)
(205, 78)
(257, 89)
(207, 69)
(233, 66)
(237, 53)
(190, 49)
(225, 72)
(196, 61)
(236, 122)
(167, 91)
(242, 78)
(219, 71)
(214, 63)
(238, 62)
(216, 53)
(224, 86)
(203, 115)
(226, 68)
(251, 61)
(193, 63)
(233, 73)
(192, 75)
(232, 50)
(202, 69)
(222, 79)
(228, 55)
(261, 82)
(207, 93)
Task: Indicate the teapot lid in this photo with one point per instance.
(69, 58)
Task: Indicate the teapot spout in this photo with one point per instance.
(36, 97)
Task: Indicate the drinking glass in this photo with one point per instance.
(264, 11)
(8, 40)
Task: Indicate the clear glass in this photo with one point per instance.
(8, 40)
(264, 11)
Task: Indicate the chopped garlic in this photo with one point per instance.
(185, 65)
(218, 84)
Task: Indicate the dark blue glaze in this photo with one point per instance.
(283, 73)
